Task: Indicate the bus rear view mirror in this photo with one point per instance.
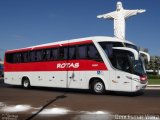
(145, 54)
(135, 53)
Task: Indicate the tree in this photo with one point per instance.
(154, 64)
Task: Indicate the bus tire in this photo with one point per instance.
(25, 82)
(97, 87)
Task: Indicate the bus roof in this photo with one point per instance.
(60, 43)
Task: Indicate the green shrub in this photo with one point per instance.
(153, 76)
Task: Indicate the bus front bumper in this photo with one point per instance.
(141, 86)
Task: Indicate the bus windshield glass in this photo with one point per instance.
(138, 67)
(123, 60)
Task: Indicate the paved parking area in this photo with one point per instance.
(50, 103)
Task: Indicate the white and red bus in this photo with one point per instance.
(97, 63)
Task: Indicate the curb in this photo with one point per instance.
(153, 87)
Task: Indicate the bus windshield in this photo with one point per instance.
(138, 67)
(123, 60)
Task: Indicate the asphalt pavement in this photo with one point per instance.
(39, 103)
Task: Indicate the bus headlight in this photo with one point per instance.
(143, 79)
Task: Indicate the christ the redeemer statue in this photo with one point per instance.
(119, 16)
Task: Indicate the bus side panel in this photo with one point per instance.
(12, 78)
(77, 79)
(46, 79)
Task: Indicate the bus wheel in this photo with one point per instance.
(97, 87)
(26, 83)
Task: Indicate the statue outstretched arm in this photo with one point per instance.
(107, 16)
(141, 10)
(129, 13)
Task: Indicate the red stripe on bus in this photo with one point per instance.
(70, 65)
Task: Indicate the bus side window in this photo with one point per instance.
(9, 58)
(25, 57)
(32, 56)
(48, 54)
(93, 53)
(54, 54)
(82, 52)
(14, 58)
(44, 55)
(108, 49)
(39, 55)
(63, 53)
(72, 53)
(17, 57)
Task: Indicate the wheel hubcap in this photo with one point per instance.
(98, 87)
(26, 83)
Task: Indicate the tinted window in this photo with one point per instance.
(82, 52)
(120, 60)
(39, 55)
(107, 47)
(46, 54)
(92, 52)
(63, 53)
(9, 57)
(25, 57)
(17, 57)
(122, 63)
(32, 56)
(72, 52)
(54, 54)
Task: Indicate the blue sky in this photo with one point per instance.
(26, 23)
